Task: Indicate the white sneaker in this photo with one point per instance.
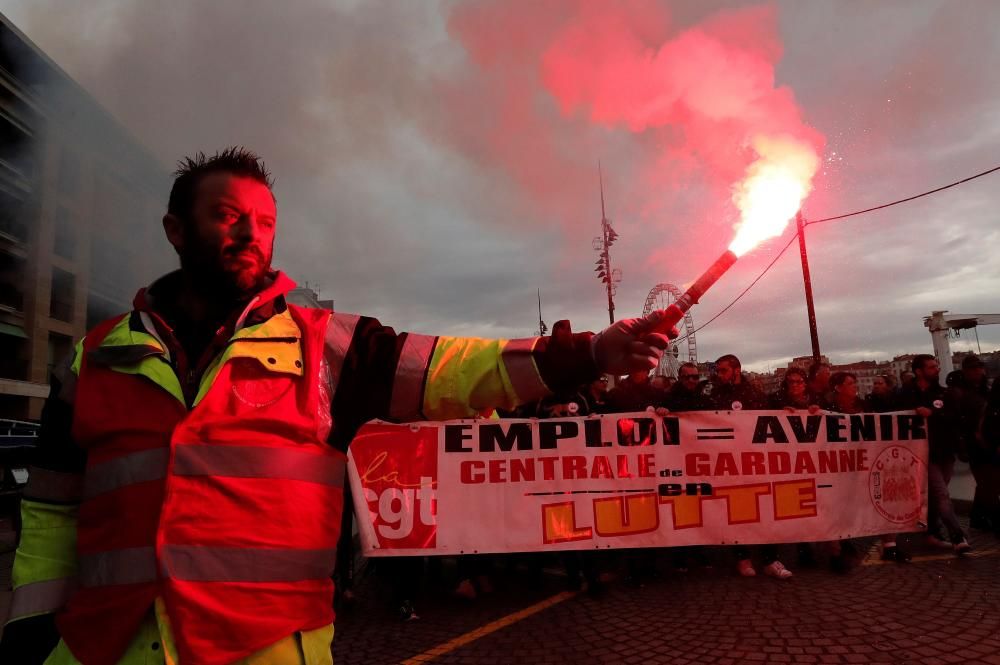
(962, 547)
(746, 568)
(776, 569)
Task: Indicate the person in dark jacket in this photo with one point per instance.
(686, 394)
(990, 456)
(729, 390)
(636, 393)
(794, 392)
(844, 399)
(972, 389)
(930, 399)
(819, 382)
(881, 399)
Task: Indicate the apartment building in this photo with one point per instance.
(80, 203)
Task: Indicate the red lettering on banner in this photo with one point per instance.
(779, 462)
(548, 467)
(559, 524)
(697, 464)
(846, 459)
(753, 463)
(399, 475)
(601, 468)
(828, 461)
(471, 472)
(646, 466)
(574, 467)
(498, 470)
(804, 463)
(522, 469)
(626, 516)
(795, 499)
(623, 471)
(725, 465)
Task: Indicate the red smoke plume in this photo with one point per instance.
(675, 111)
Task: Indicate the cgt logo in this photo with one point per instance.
(401, 498)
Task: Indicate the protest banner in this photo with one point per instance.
(636, 480)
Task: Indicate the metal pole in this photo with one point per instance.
(607, 248)
(807, 281)
(541, 324)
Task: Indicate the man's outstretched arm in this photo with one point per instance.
(407, 377)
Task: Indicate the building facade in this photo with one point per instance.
(80, 204)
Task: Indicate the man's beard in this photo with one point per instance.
(237, 274)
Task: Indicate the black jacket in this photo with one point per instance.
(943, 430)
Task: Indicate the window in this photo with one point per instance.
(65, 234)
(69, 173)
(60, 346)
(12, 281)
(13, 355)
(12, 211)
(61, 300)
(17, 151)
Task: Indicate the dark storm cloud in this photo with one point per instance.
(390, 215)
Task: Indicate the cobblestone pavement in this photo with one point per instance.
(937, 609)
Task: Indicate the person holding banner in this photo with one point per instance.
(186, 500)
(730, 391)
(930, 399)
(793, 393)
(844, 399)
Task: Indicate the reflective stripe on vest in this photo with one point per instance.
(53, 486)
(133, 565)
(41, 597)
(197, 459)
(214, 460)
(520, 365)
(198, 563)
(411, 375)
(339, 333)
(141, 467)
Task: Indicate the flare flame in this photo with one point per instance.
(772, 192)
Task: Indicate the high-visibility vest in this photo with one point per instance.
(229, 511)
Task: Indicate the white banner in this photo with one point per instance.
(637, 480)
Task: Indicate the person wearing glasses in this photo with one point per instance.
(686, 394)
(793, 394)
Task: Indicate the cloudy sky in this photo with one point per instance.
(436, 162)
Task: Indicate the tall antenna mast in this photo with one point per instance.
(542, 328)
(610, 277)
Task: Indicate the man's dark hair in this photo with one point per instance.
(792, 371)
(920, 360)
(838, 378)
(730, 359)
(689, 365)
(190, 170)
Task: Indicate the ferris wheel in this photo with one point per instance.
(684, 348)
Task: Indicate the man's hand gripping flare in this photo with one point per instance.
(632, 345)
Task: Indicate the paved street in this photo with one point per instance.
(938, 609)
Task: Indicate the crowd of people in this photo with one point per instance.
(963, 424)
